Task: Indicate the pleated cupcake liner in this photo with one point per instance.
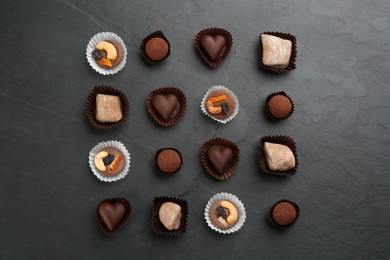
(213, 32)
(105, 36)
(237, 203)
(158, 227)
(114, 144)
(90, 106)
(156, 34)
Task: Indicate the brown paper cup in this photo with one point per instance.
(158, 227)
(286, 36)
(278, 139)
(212, 32)
(272, 221)
(208, 165)
(91, 106)
(269, 98)
(124, 220)
(155, 34)
(165, 91)
(168, 148)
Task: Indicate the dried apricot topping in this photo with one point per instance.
(115, 163)
(218, 98)
(105, 62)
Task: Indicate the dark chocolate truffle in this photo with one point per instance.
(284, 213)
(280, 106)
(168, 160)
(156, 49)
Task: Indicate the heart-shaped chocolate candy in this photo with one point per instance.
(213, 45)
(167, 106)
(220, 157)
(111, 214)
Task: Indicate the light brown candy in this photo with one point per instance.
(108, 108)
(170, 215)
(279, 157)
(276, 51)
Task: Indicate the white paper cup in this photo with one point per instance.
(105, 36)
(233, 199)
(101, 146)
(204, 100)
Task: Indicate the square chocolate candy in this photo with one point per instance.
(276, 51)
(108, 108)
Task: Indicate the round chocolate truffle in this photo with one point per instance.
(280, 106)
(284, 213)
(156, 49)
(168, 161)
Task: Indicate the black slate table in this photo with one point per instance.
(48, 195)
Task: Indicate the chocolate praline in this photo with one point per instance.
(118, 59)
(284, 213)
(214, 215)
(121, 165)
(168, 160)
(229, 102)
(280, 106)
(156, 49)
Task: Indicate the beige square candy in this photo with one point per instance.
(108, 108)
(279, 157)
(276, 51)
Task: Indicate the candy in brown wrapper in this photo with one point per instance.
(271, 215)
(156, 34)
(91, 106)
(267, 110)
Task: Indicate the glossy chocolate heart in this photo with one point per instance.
(213, 45)
(220, 157)
(167, 106)
(111, 214)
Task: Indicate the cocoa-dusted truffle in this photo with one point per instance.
(156, 49)
(284, 213)
(280, 106)
(168, 160)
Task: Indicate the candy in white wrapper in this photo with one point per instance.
(105, 36)
(240, 208)
(204, 100)
(101, 146)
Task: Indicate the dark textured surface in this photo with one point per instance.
(341, 122)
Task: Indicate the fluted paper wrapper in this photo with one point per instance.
(124, 220)
(156, 34)
(278, 139)
(105, 36)
(115, 144)
(158, 227)
(286, 36)
(272, 221)
(90, 106)
(208, 165)
(163, 149)
(166, 91)
(213, 32)
(233, 199)
(269, 98)
(204, 100)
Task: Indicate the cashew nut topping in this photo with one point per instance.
(99, 160)
(233, 213)
(109, 48)
(212, 109)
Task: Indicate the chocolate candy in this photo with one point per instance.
(213, 45)
(220, 157)
(167, 106)
(156, 49)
